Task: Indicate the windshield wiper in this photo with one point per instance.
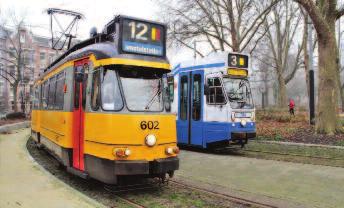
(158, 93)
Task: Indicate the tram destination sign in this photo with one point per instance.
(141, 37)
(237, 61)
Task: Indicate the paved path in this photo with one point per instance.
(283, 183)
(23, 183)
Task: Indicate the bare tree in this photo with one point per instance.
(324, 14)
(223, 24)
(14, 55)
(286, 58)
(266, 76)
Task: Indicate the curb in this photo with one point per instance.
(302, 144)
(10, 127)
(88, 199)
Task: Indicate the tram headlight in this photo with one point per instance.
(169, 150)
(122, 152)
(176, 150)
(150, 140)
(127, 152)
(172, 150)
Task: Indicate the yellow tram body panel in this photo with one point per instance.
(57, 127)
(35, 120)
(103, 133)
(106, 132)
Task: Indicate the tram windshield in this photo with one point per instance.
(238, 92)
(142, 89)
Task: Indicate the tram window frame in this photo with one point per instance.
(96, 76)
(196, 116)
(36, 98)
(45, 91)
(59, 94)
(215, 87)
(103, 70)
(52, 93)
(184, 80)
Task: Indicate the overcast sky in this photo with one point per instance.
(95, 15)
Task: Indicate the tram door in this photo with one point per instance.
(189, 123)
(80, 83)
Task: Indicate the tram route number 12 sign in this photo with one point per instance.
(143, 38)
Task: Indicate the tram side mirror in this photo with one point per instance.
(206, 90)
(166, 94)
(79, 76)
(167, 99)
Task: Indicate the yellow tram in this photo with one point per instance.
(99, 108)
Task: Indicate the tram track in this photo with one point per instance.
(293, 154)
(117, 190)
(235, 199)
(130, 202)
(135, 195)
(332, 161)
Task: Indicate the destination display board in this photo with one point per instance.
(237, 65)
(142, 37)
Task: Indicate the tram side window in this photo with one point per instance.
(196, 97)
(60, 81)
(45, 94)
(51, 93)
(36, 98)
(95, 90)
(215, 95)
(184, 98)
(110, 93)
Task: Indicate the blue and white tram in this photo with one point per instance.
(212, 100)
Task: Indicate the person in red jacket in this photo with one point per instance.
(291, 106)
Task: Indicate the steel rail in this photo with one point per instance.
(293, 154)
(231, 198)
(126, 200)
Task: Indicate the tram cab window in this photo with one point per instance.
(142, 89)
(238, 92)
(110, 92)
(215, 95)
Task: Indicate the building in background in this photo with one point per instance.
(37, 54)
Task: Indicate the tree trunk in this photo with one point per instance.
(15, 88)
(327, 119)
(305, 52)
(341, 90)
(282, 91)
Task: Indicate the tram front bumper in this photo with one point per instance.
(243, 135)
(241, 138)
(158, 166)
(107, 170)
